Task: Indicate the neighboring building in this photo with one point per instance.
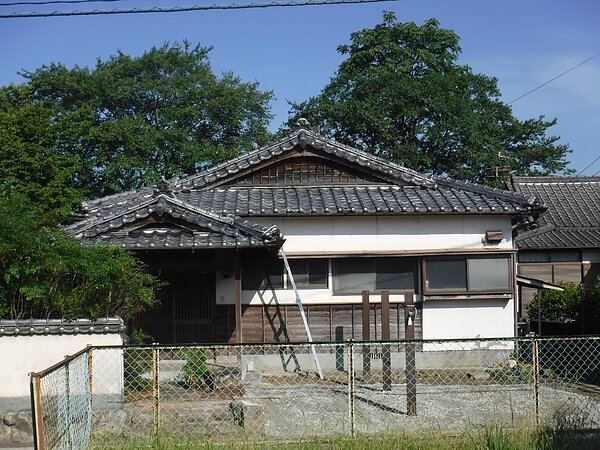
(565, 244)
(348, 221)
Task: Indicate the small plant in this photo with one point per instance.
(196, 375)
(511, 372)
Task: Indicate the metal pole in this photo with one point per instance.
(351, 388)
(90, 363)
(37, 411)
(386, 360)
(535, 363)
(155, 392)
(411, 369)
(303, 315)
(69, 417)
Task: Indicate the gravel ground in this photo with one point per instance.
(301, 410)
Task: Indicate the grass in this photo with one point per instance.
(491, 437)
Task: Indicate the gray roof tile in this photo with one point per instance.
(573, 216)
(209, 201)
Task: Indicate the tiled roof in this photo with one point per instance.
(160, 220)
(573, 216)
(58, 326)
(214, 203)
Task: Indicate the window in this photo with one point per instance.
(309, 273)
(263, 273)
(467, 274)
(354, 275)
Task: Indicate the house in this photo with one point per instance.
(348, 221)
(565, 243)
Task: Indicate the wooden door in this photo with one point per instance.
(186, 311)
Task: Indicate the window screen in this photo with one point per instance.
(395, 274)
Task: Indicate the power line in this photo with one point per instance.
(588, 166)
(216, 7)
(556, 77)
(57, 2)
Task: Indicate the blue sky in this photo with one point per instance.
(292, 51)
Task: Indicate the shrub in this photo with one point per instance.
(196, 375)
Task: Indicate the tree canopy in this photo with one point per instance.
(45, 274)
(130, 120)
(402, 95)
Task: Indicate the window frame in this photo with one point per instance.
(468, 290)
(373, 287)
(282, 280)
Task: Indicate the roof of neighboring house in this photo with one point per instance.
(323, 178)
(573, 216)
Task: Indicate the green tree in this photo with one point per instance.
(401, 94)
(558, 306)
(130, 120)
(570, 305)
(32, 160)
(44, 273)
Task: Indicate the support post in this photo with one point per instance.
(351, 388)
(238, 299)
(155, 392)
(366, 335)
(37, 411)
(386, 359)
(411, 369)
(535, 375)
(90, 364)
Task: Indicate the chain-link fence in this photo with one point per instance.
(272, 392)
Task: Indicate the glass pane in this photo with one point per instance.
(299, 271)
(318, 270)
(489, 273)
(309, 273)
(353, 275)
(395, 274)
(260, 273)
(449, 274)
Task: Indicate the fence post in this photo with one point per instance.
(37, 411)
(409, 349)
(535, 369)
(155, 392)
(68, 395)
(90, 363)
(351, 387)
(386, 356)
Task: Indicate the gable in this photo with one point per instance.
(165, 221)
(305, 169)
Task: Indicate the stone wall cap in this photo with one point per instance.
(40, 327)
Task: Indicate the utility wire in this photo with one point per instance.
(556, 77)
(57, 2)
(588, 166)
(275, 4)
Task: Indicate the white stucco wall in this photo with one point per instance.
(331, 235)
(480, 318)
(20, 355)
(383, 235)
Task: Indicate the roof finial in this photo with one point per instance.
(164, 186)
(303, 123)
